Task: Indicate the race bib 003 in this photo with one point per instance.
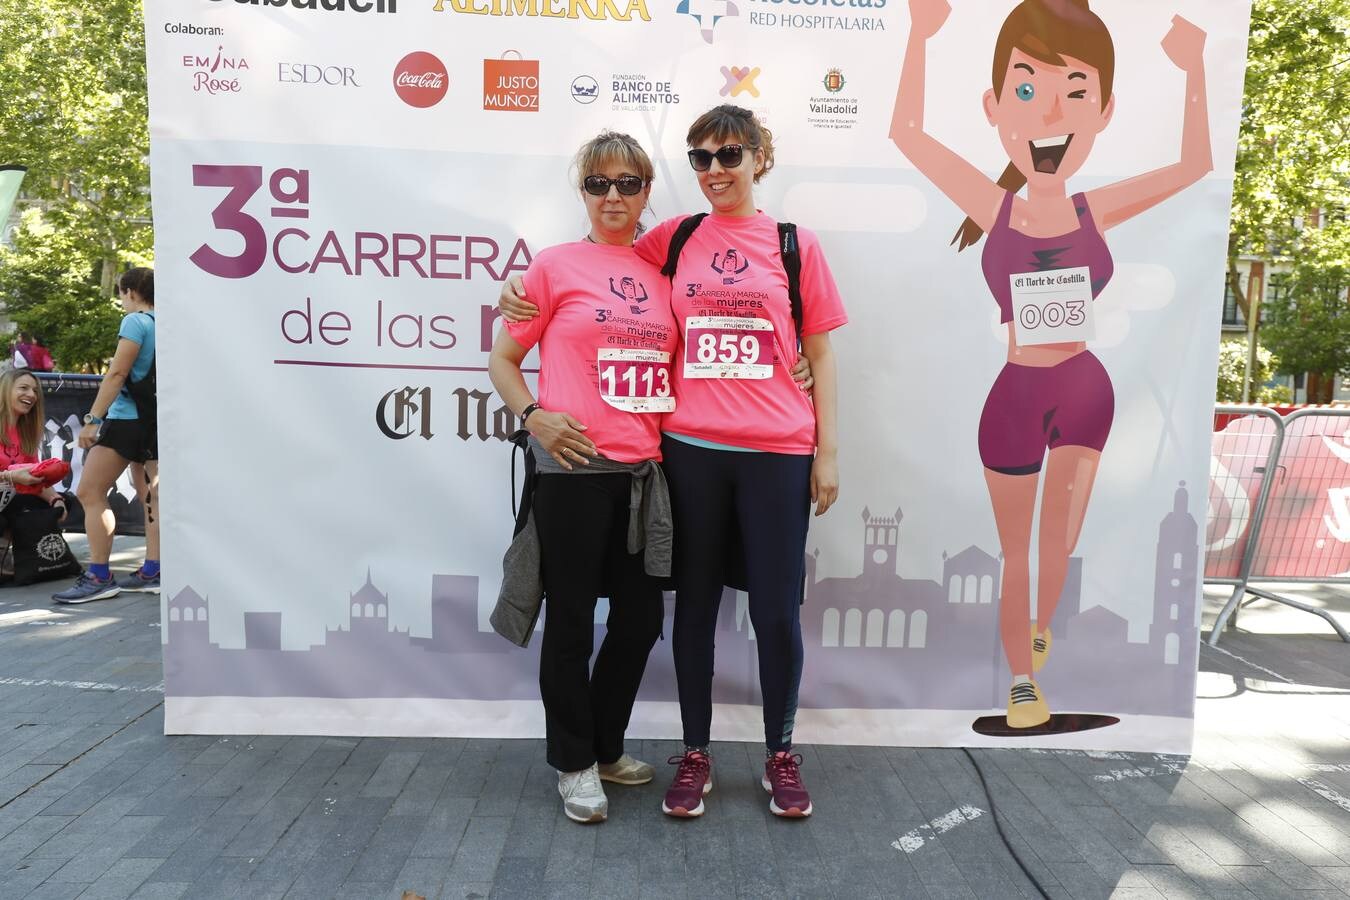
(1053, 307)
(636, 381)
(728, 347)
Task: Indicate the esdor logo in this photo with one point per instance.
(420, 80)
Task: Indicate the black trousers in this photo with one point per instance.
(767, 497)
(582, 522)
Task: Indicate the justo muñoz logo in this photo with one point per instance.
(420, 80)
(217, 74)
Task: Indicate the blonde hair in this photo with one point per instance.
(608, 147)
(729, 121)
(28, 425)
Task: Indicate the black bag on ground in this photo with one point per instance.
(40, 551)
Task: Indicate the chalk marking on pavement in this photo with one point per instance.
(1247, 662)
(1090, 754)
(913, 840)
(1142, 772)
(1328, 767)
(1326, 793)
(84, 685)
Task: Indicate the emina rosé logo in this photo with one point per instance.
(420, 80)
(217, 74)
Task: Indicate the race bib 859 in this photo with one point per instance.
(728, 347)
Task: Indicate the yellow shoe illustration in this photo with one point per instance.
(1040, 649)
(1026, 705)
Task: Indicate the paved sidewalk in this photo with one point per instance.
(96, 803)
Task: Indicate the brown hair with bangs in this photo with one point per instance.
(1047, 30)
(729, 122)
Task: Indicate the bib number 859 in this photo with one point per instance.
(728, 348)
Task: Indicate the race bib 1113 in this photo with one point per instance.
(636, 381)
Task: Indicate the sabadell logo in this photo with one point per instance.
(360, 6)
(420, 80)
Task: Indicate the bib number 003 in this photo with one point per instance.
(1053, 307)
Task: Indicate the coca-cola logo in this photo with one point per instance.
(420, 80)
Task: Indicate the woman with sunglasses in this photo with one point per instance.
(606, 338)
(746, 452)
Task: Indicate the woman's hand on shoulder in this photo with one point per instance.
(561, 435)
(801, 374)
(512, 303)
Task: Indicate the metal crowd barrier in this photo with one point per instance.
(1293, 466)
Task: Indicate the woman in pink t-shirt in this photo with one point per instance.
(606, 339)
(747, 453)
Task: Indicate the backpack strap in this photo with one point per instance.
(792, 264)
(677, 242)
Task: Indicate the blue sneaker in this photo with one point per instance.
(137, 581)
(88, 588)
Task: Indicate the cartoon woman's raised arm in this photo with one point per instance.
(970, 189)
(1111, 205)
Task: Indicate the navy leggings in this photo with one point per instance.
(766, 497)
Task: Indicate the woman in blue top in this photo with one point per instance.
(120, 430)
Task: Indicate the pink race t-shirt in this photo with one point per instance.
(11, 451)
(730, 297)
(606, 341)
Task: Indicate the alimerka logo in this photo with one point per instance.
(359, 6)
(551, 9)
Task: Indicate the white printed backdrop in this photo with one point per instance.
(335, 209)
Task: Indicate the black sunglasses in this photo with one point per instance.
(598, 185)
(729, 157)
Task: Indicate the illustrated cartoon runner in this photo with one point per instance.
(627, 291)
(1045, 261)
(732, 265)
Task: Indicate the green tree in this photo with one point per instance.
(1308, 321)
(1294, 140)
(72, 75)
(1232, 366)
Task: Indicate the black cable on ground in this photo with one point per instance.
(998, 825)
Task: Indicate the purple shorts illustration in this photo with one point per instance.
(1032, 408)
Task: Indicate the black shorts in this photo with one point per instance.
(131, 439)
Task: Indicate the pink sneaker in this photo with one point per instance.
(693, 781)
(783, 779)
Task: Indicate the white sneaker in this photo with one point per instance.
(583, 797)
(626, 770)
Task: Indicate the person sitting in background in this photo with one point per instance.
(20, 351)
(21, 431)
(40, 358)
